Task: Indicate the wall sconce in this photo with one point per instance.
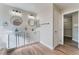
(31, 17)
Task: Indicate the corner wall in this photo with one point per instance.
(45, 14)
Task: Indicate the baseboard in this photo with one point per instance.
(74, 41)
(47, 45)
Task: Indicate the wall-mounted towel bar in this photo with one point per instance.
(44, 23)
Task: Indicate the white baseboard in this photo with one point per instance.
(74, 40)
(47, 45)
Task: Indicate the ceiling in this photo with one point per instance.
(24, 6)
(33, 7)
(67, 5)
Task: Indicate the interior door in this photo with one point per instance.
(55, 27)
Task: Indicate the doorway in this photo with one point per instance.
(71, 29)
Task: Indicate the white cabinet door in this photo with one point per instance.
(12, 41)
(27, 39)
(21, 40)
(3, 41)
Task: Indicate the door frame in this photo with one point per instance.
(72, 11)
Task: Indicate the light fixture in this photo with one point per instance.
(31, 17)
(16, 13)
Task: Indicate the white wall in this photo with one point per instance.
(45, 14)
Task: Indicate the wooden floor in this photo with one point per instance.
(39, 49)
(69, 48)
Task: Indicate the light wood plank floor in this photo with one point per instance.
(40, 49)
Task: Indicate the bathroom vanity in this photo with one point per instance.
(18, 28)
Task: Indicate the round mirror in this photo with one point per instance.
(16, 20)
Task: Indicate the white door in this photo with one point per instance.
(56, 15)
